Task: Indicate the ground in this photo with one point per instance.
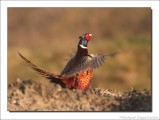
(28, 95)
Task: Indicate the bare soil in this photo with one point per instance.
(28, 95)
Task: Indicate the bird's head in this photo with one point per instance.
(84, 40)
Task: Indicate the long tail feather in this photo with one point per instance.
(53, 77)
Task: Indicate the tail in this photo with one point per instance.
(52, 77)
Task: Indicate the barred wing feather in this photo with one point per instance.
(85, 63)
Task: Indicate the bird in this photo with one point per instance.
(78, 71)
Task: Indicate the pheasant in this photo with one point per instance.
(78, 71)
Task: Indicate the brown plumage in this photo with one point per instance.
(78, 71)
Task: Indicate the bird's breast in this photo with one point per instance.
(83, 79)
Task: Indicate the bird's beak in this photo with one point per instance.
(90, 35)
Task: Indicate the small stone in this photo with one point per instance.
(14, 101)
(59, 88)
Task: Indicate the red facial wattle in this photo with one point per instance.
(88, 36)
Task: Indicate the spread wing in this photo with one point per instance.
(95, 61)
(88, 62)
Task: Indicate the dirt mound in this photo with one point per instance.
(28, 95)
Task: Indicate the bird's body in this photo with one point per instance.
(78, 71)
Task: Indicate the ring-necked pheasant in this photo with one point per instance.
(78, 71)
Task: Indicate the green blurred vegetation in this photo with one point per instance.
(47, 36)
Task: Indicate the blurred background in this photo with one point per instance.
(48, 36)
